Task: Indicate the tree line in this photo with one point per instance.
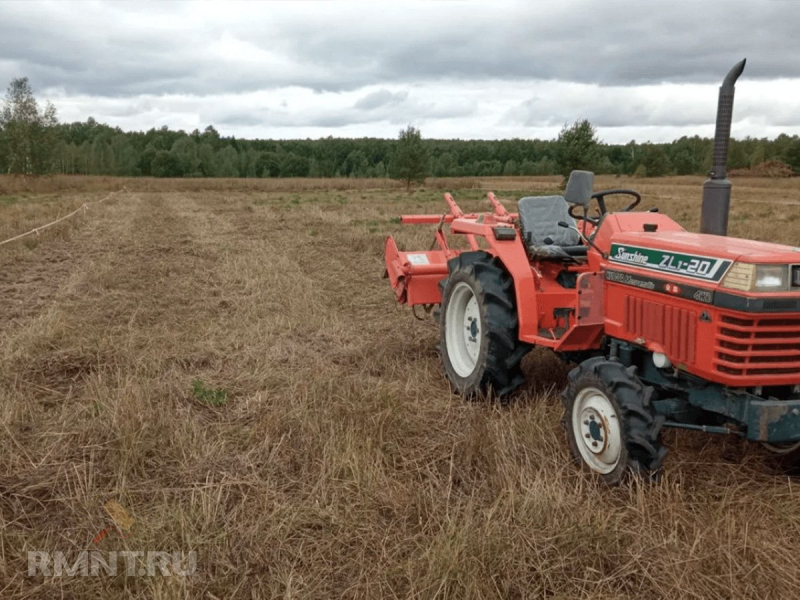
(33, 142)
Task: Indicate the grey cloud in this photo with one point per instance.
(610, 43)
(501, 68)
(124, 49)
(239, 118)
(615, 108)
(379, 99)
(399, 109)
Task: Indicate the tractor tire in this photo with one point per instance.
(612, 429)
(478, 328)
(783, 458)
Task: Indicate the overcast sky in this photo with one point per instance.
(644, 70)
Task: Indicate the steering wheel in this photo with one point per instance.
(601, 199)
(583, 217)
(601, 203)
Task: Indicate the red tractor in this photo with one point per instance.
(668, 328)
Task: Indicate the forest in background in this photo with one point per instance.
(32, 141)
(92, 148)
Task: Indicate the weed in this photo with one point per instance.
(207, 395)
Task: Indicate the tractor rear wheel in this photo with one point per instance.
(612, 428)
(478, 327)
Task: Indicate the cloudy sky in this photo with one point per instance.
(644, 70)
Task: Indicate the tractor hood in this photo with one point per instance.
(699, 257)
(699, 244)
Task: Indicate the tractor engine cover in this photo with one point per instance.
(667, 291)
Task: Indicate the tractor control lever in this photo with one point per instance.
(589, 242)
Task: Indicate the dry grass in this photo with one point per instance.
(338, 464)
(81, 183)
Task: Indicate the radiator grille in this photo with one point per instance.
(672, 328)
(758, 346)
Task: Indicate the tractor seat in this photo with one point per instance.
(544, 238)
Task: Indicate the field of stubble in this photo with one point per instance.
(224, 359)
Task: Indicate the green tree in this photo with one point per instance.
(166, 164)
(205, 154)
(528, 167)
(683, 161)
(444, 165)
(249, 161)
(269, 165)
(379, 170)
(293, 165)
(510, 168)
(28, 137)
(226, 162)
(126, 162)
(490, 168)
(101, 157)
(737, 155)
(545, 166)
(758, 155)
(604, 165)
(356, 164)
(577, 148)
(655, 160)
(314, 168)
(410, 161)
(185, 152)
(792, 155)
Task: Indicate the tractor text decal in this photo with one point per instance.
(662, 286)
(688, 265)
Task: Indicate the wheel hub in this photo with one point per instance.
(592, 428)
(473, 329)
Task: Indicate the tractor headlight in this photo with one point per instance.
(772, 277)
(757, 278)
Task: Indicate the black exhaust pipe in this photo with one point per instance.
(717, 188)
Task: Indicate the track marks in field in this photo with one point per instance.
(34, 271)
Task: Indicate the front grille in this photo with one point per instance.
(758, 346)
(671, 327)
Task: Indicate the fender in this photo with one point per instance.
(512, 254)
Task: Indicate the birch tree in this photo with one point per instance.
(28, 136)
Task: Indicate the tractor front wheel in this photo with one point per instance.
(611, 426)
(479, 327)
(785, 457)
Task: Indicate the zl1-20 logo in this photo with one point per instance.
(687, 265)
(695, 265)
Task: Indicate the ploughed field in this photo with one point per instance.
(224, 359)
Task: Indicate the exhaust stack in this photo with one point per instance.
(717, 188)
